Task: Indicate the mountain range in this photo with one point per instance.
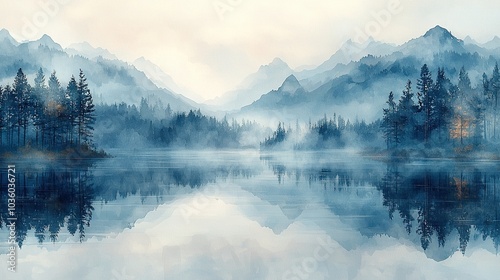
(357, 79)
(353, 82)
(268, 77)
(110, 79)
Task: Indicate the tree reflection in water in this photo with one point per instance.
(49, 199)
(437, 201)
(433, 200)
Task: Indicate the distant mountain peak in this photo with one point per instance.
(290, 85)
(142, 59)
(277, 63)
(267, 78)
(439, 32)
(469, 41)
(47, 41)
(46, 37)
(5, 35)
(81, 45)
(363, 43)
(87, 50)
(291, 78)
(435, 40)
(492, 44)
(352, 51)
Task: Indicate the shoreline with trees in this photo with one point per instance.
(447, 120)
(47, 119)
(440, 120)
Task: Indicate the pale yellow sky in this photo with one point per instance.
(209, 46)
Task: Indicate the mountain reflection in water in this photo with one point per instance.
(436, 202)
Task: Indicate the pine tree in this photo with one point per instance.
(341, 123)
(462, 118)
(72, 108)
(22, 90)
(145, 110)
(464, 83)
(168, 111)
(11, 115)
(3, 114)
(495, 91)
(280, 133)
(38, 101)
(477, 106)
(86, 108)
(487, 98)
(426, 98)
(40, 87)
(442, 111)
(391, 123)
(407, 110)
(56, 112)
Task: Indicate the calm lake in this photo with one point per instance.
(162, 214)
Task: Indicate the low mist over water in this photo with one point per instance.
(249, 140)
(256, 215)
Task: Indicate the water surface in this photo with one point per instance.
(163, 214)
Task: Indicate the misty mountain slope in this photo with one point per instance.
(155, 74)
(268, 77)
(111, 81)
(88, 51)
(44, 41)
(8, 45)
(436, 40)
(164, 81)
(366, 83)
(349, 52)
(492, 44)
(345, 60)
(290, 92)
(360, 88)
(5, 36)
(313, 82)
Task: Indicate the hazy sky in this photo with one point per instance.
(209, 46)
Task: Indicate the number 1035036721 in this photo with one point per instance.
(11, 173)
